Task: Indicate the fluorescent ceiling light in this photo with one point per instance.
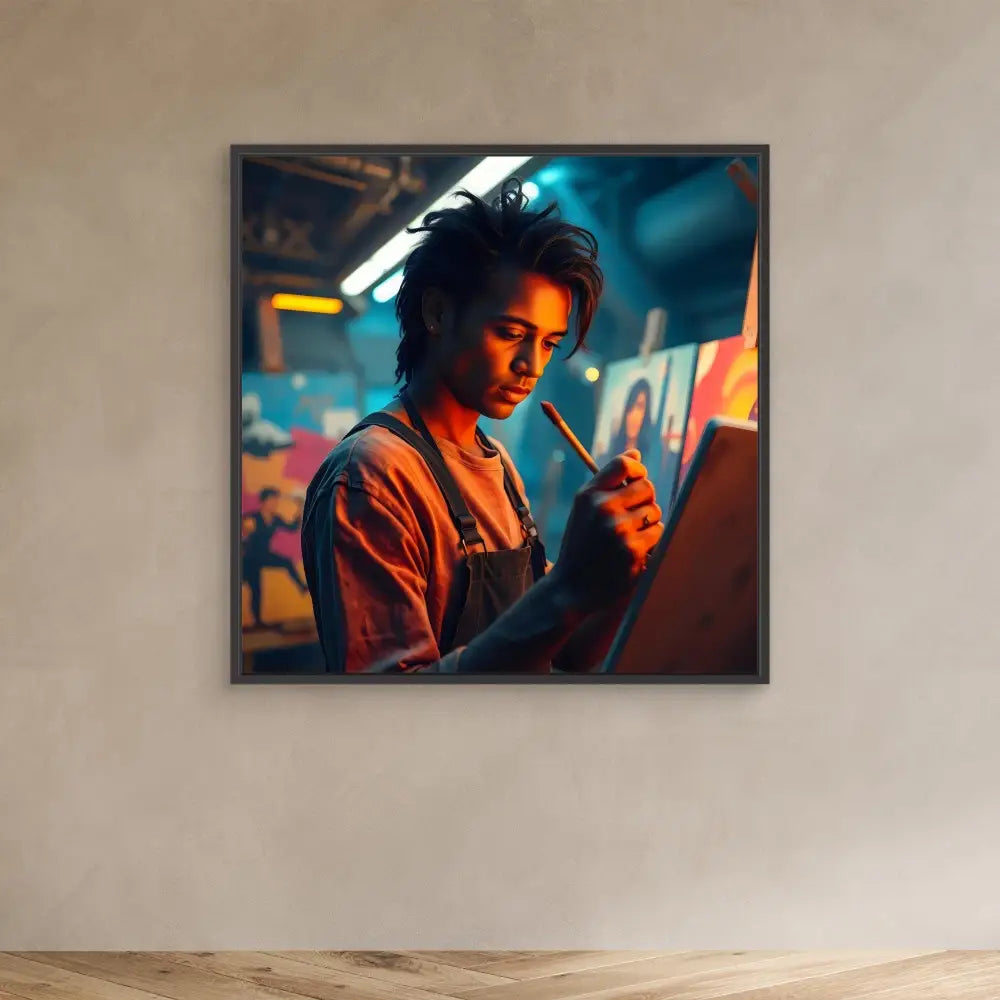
(388, 288)
(483, 178)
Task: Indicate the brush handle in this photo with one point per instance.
(553, 414)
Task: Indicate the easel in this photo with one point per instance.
(654, 335)
(747, 183)
(272, 356)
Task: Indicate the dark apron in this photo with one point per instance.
(486, 583)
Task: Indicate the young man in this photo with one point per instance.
(419, 549)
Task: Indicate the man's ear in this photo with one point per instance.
(434, 309)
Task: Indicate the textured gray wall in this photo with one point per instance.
(147, 804)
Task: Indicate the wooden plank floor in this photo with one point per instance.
(502, 975)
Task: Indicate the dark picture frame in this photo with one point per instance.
(239, 153)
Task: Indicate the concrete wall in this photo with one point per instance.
(148, 804)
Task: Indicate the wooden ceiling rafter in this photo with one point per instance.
(292, 166)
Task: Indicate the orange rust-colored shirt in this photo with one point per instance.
(381, 549)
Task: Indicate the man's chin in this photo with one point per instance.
(497, 410)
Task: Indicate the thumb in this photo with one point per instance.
(633, 453)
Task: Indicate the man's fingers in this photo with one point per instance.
(652, 535)
(619, 469)
(643, 542)
(646, 516)
(643, 523)
(635, 494)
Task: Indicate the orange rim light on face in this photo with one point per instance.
(306, 303)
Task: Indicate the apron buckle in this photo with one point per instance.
(528, 522)
(468, 532)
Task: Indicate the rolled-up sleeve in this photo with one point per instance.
(373, 572)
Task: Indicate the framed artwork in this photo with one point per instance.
(404, 510)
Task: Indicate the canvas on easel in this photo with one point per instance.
(695, 611)
(725, 385)
(630, 408)
(673, 422)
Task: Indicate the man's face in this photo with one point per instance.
(269, 506)
(492, 352)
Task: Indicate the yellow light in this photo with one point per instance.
(591, 374)
(306, 303)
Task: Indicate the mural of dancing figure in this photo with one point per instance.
(257, 554)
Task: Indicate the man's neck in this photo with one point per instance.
(444, 415)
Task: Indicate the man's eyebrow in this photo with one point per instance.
(519, 321)
(516, 320)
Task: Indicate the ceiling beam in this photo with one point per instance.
(294, 167)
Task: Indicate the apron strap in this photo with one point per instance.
(527, 521)
(538, 559)
(464, 521)
(427, 448)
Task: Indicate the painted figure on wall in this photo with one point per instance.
(258, 554)
(290, 423)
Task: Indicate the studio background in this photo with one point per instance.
(147, 804)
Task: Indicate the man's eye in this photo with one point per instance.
(551, 346)
(508, 334)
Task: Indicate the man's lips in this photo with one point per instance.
(514, 392)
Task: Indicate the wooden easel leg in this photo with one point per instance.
(750, 311)
(741, 176)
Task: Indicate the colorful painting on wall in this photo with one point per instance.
(290, 423)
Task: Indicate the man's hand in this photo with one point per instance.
(614, 523)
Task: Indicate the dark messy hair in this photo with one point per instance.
(266, 493)
(463, 246)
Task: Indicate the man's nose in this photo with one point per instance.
(530, 363)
